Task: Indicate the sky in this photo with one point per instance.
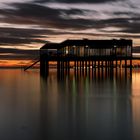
(26, 25)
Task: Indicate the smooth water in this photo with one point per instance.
(69, 108)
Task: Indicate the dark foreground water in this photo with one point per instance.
(69, 108)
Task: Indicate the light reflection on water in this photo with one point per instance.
(68, 108)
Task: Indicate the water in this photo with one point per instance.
(69, 108)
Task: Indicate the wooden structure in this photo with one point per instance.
(86, 54)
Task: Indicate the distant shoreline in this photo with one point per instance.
(15, 68)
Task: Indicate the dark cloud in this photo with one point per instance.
(136, 49)
(52, 18)
(126, 25)
(18, 40)
(16, 36)
(132, 28)
(16, 57)
(123, 13)
(18, 51)
(18, 54)
(48, 18)
(21, 32)
(44, 16)
(29, 13)
(77, 1)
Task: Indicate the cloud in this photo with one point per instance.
(76, 1)
(47, 21)
(136, 49)
(18, 40)
(74, 19)
(16, 36)
(43, 16)
(18, 54)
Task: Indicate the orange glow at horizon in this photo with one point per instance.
(24, 63)
(15, 63)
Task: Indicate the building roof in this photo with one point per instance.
(50, 46)
(98, 43)
(91, 43)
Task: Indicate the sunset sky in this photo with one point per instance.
(26, 25)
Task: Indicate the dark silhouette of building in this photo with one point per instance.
(86, 54)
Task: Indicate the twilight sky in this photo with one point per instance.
(28, 24)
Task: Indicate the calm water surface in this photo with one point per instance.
(69, 108)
